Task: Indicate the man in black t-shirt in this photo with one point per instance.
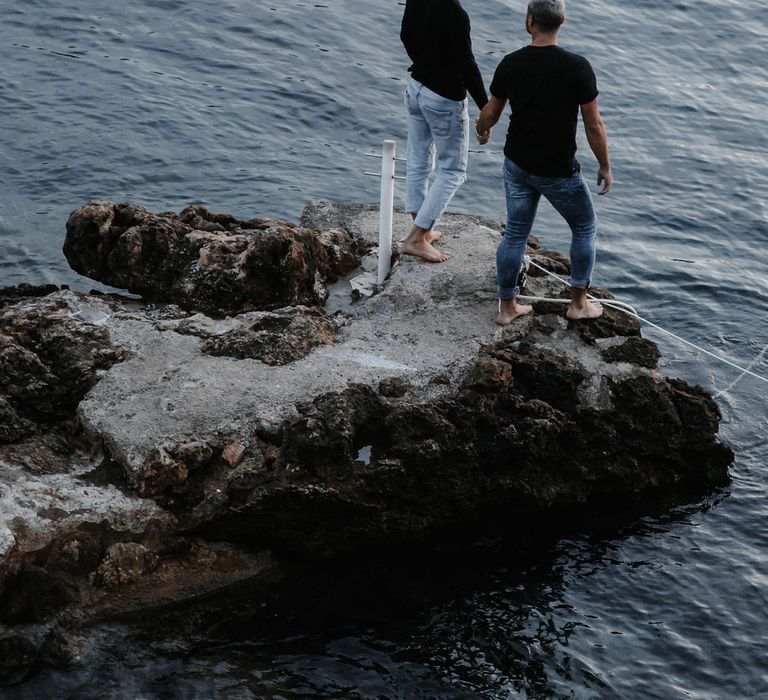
(546, 87)
(436, 36)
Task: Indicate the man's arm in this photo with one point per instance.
(405, 31)
(598, 142)
(489, 117)
(461, 43)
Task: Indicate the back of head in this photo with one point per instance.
(548, 14)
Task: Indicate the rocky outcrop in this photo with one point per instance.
(275, 338)
(48, 361)
(155, 453)
(209, 262)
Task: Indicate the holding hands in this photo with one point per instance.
(483, 137)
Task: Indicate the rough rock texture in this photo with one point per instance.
(275, 338)
(49, 359)
(155, 454)
(636, 350)
(211, 262)
(123, 563)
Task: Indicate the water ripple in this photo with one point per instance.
(256, 109)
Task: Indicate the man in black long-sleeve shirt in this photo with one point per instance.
(436, 35)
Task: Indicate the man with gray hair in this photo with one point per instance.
(546, 87)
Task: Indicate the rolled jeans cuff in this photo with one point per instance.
(579, 284)
(424, 221)
(505, 293)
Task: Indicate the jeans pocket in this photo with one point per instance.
(442, 122)
(411, 106)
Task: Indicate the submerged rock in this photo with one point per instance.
(208, 447)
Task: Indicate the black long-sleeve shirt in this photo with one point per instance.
(435, 34)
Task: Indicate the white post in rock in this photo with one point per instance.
(386, 207)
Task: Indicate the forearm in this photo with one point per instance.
(598, 142)
(465, 60)
(490, 115)
(473, 81)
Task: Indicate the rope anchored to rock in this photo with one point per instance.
(630, 311)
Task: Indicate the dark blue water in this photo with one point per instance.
(256, 107)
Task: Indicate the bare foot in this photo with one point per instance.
(509, 310)
(429, 236)
(423, 249)
(591, 309)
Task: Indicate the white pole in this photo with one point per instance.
(386, 207)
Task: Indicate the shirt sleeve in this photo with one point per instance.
(586, 84)
(465, 60)
(499, 83)
(405, 30)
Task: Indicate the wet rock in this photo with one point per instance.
(537, 373)
(209, 262)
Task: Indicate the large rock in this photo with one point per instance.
(210, 262)
(49, 359)
(207, 446)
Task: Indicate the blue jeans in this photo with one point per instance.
(573, 201)
(436, 125)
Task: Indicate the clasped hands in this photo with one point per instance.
(483, 137)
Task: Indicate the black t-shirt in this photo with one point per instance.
(545, 86)
(435, 34)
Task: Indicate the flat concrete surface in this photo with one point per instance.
(427, 320)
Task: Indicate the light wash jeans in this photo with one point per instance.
(573, 201)
(436, 125)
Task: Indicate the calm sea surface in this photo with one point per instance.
(256, 107)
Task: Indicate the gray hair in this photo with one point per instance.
(548, 14)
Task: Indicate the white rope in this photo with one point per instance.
(620, 305)
(627, 309)
(743, 373)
